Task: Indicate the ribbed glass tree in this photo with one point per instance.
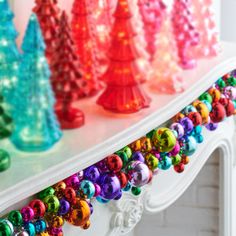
(206, 26)
(185, 33)
(47, 12)
(36, 126)
(165, 77)
(9, 55)
(123, 93)
(81, 28)
(153, 13)
(67, 81)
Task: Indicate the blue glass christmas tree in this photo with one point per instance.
(9, 54)
(36, 126)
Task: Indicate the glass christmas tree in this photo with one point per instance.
(205, 25)
(9, 55)
(48, 16)
(165, 77)
(152, 13)
(123, 93)
(82, 33)
(67, 81)
(185, 33)
(36, 126)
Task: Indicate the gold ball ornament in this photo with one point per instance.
(203, 110)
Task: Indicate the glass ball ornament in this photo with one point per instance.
(178, 117)
(52, 203)
(97, 190)
(136, 191)
(178, 128)
(102, 166)
(124, 157)
(179, 168)
(27, 213)
(203, 110)
(15, 218)
(215, 94)
(212, 126)
(164, 140)
(176, 159)
(102, 200)
(21, 233)
(206, 96)
(189, 109)
(64, 207)
(110, 186)
(119, 196)
(187, 124)
(55, 231)
(175, 150)
(229, 108)
(127, 187)
(55, 221)
(92, 173)
(139, 174)
(165, 163)
(72, 181)
(9, 224)
(231, 81)
(46, 192)
(185, 159)
(151, 161)
(190, 146)
(218, 113)
(209, 106)
(59, 189)
(128, 151)
(114, 163)
(138, 156)
(40, 226)
(123, 179)
(199, 138)
(196, 118)
(30, 228)
(5, 230)
(79, 214)
(86, 225)
(230, 92)
(69, 194)
(38, 207)
(5, 160)
(86, 189)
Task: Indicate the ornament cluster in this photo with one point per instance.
(127, 170)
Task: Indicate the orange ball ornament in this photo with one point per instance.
(185, 160)
(87, 225)
(203, 111)
(195, 117)
(79, 213)
(178, 117)
(215, 94)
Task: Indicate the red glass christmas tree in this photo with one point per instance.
(67, 81)
(48, 16)
(205, 24)
(185, 33)
(81, 28)
(123, 93)
(153, 13)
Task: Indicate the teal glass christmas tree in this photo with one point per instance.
(36, 126)
(9, 54)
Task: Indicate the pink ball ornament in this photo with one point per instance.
(27, 213)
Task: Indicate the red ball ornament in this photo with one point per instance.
(195, 117)
(179, 168)
(38, 207)
(185, 160)
(123, 178)
(114, 163)
(69, 194)
(218, 113)
(229, 106)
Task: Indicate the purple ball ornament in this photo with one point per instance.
(230, 92)
(92, 173)
(178, 128)
(91, 208)
(101, 165)
(119, 196)
(187, 124)
(176, 149)
(55, 231)
(64, 207)
(27, 213)
(110, 186)
(139, 174)
(212, 126)
(138, 156)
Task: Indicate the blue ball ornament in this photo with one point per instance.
(190, 146)
(165, 163)
(40, 226)
(127, 187)
(199, 138)
(30, 229)
(87, 189)
(102, 200)
(188, 109)
(197, 129)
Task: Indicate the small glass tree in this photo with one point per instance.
(36, 126)
(9, 54)
(67, 80)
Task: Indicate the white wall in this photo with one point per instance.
(196, 213)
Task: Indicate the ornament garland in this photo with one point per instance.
(128, 169)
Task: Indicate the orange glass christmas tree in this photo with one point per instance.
(47, 13)
(206, 26)
(67, 81)
(123, 93)
(81, 28)
(165, 77)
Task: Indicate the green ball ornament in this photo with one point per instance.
(164, 140)
(136, 191)
(46, 192)
(128, 151)
(52, 203)
(221, 83)
(150, 134)
(206, 96)
(123, 157)
(176, 160)
(5, 160)
(15, 218)
(5, 230)
(231, 81)
(151, 161)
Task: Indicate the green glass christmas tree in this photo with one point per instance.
(9, 54)
(36, 126)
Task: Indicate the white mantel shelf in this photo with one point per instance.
(103, 134)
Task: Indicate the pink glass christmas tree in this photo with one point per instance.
(185, 33)
(205, 24)
(165, 77)
(152, 13)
